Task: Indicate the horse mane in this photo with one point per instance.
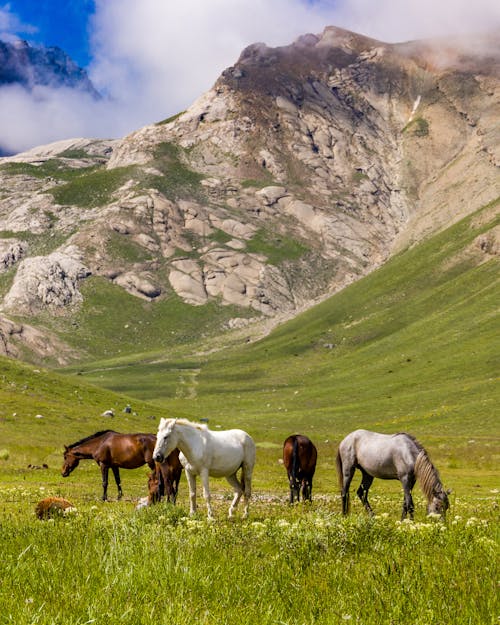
(197, 426)
(427, 475)
(91, 437)
(417, 444)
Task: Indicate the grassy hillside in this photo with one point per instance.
(41, 411)
(413, 346)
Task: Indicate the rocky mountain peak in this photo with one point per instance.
(302, 169)
(31, 66)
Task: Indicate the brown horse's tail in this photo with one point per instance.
(340, 478)
(295, 460)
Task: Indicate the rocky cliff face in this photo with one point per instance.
(302, 169)
(31, 66)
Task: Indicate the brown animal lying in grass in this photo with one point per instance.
(51, 507)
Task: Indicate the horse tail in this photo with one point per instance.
(346, 503)
(295, 460)
(246, 482)
(340, 473)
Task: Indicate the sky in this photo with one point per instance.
(153, 58)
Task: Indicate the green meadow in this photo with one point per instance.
(411, 347)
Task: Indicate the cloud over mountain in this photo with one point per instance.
(152, 59)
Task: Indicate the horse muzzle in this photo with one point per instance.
(159, 457)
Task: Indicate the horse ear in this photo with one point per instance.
(66, 448)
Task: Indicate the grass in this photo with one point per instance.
(111, 323)
(170, 119)
(177, 180)
(419, 127)
(284, 565)
(53, 168)
(121, 248)
(39, 244)
(93, 188)
(276, 248)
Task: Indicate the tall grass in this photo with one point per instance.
(293, 565)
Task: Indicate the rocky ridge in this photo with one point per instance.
(32, 66)
(302, 169)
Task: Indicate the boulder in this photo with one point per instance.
(47, 281)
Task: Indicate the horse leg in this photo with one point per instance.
(238, 492)
(206, 492)
(307, 489)
(116, 473)
(192, 491)
(175, 489)
(408, 482)
(104, 473)
(294, 489)
(366, 482)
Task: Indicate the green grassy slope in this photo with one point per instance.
(40, 411)
(412, 346)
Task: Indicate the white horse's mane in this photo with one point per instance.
(197, 426)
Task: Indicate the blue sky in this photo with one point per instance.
(153, 58)
(62, 23)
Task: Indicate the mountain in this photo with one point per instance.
(32, 66)
(303, 169)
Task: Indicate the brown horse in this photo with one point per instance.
(299, 458)
(164, 480)
(111, 450)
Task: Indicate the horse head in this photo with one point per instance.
(166, 439)
(71, 461)
(439, 503)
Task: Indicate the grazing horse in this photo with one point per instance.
(389, 457)
(164, 480)
(206, 453)
(299, 458)
(111, 450)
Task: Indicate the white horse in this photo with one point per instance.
(207, 453)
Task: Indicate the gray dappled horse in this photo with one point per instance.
(389, 457)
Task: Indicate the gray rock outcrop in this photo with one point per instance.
(46, 282)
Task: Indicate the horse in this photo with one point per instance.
(299, 458)
(206, 453)
(164, 480)
(389, 456)
(111, 450)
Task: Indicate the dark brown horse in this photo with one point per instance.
(164, 480)
(299, 458)
(111, 450)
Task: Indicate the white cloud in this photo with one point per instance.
(46, 114)
(402, 20)
(10, 23)
(154, 57)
